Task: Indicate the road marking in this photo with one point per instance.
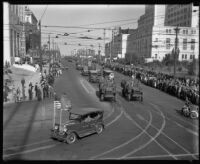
(140, 117)
(35, 143)
(89, 85)
(151, 156)
(188, 130)
(84, 86)
(110, 113)
(115, 119)
(168, 136)
(127, 142)
(151, 140)
(30, 151)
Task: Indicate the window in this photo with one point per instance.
(183, 31)
(182, 56)
(185, 56)
(167, 43)
(166, 30)
(191, 56)
(192, 44)
(169, 30)
(184, 44)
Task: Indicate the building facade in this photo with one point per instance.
(117, 48)
(13, 20)
(32, 32)
(155, 34)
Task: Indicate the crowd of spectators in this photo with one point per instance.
(181, 87)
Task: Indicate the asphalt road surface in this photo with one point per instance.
(153, 129)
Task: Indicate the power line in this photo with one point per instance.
(44, 12)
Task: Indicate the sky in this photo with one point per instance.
(84, 16)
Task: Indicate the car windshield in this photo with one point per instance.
(74, 116)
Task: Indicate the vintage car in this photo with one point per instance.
(85, 71)
(191, 111)
(94, 76)
(82, 122)
(131, 89)
(107, 73)
(107, 89)
(79, 67)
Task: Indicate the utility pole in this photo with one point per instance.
(40, 46)
(104, 35)
(49, 50)
(176, 51)
(53, 51)
(99, 52)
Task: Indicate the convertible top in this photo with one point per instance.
(83, 111)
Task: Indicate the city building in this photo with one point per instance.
(155, 34)
(32, 33)
(118, 46)
(12, 27)
(181, 15)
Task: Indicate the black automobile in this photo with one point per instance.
(82, 122)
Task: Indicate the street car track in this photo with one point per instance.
(50, 141)
(125, 143)
(161, 131)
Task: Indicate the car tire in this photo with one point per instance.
(193, 115)
(70, 138)
(99, 128)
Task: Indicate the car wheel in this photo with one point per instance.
(70, 138)
(99, 128)
(193, 114)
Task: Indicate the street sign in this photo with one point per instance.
(57, 105)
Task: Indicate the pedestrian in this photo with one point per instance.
(39, 94)
(18, 92)
(51, 91)
(23, 82)
(36, 89)
(5, 94)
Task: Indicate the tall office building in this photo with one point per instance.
(182, 15)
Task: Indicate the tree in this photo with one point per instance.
(193, 68)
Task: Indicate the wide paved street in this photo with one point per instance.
(153, 129)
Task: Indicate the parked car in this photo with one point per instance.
(82, 122)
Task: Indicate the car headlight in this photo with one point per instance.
(65, 128)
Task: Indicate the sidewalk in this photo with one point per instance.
(16, 76)
(29, 76)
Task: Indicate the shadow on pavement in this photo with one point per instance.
(28, 130)
(18, 105)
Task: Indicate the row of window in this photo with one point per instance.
(192, 47)
(185, 8)
(184, 56)
(184, 31)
